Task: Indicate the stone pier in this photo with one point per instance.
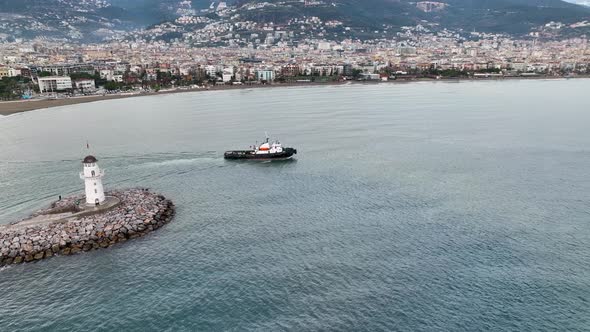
(69, 227)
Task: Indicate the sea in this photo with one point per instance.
(427, 206)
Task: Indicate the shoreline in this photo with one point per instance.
(21, 106)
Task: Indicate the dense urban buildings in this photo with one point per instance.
(146, 63)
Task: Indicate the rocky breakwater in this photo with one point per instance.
(69, 229)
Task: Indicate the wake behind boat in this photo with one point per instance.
(266, 151)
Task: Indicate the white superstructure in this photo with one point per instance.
(92, 176)
(269, 147)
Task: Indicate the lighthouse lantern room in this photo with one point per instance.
(92, 176)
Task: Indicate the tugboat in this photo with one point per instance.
(266, 151)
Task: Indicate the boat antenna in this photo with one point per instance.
(266, 135)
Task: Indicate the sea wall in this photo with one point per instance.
(137, 213)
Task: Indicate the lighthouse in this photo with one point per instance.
(92, 176)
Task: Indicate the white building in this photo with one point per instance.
(4, 72)
(106, 74)
(222, 5)
(228, 73)
(324, 46)
(265, 75)
(369, 77)
(54, 83)
(85, 84)
(211, 71)
(13, 72)
(519, 66)
(92, 176)
(185, 70)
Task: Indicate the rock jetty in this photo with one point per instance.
(66, 229)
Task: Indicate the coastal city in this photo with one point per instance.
(294, 165)
(141, 62)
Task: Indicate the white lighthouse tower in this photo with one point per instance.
(92, 176)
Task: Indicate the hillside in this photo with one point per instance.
(70, 19)
(91, 20)
(508, 16)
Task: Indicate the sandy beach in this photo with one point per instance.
(11, 107)
(18, 106)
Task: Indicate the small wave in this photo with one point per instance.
(178, 161)
(32, 162)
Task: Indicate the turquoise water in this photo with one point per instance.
(423, 206)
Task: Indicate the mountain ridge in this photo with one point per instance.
(92, 20)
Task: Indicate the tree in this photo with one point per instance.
(10, 88)
(356, 73)
(489, 70)
(75, 76)
(112, 86)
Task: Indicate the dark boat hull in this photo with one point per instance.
(251, 155)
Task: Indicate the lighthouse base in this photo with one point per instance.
(68, 208)
(97, 204)
(108, 203)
